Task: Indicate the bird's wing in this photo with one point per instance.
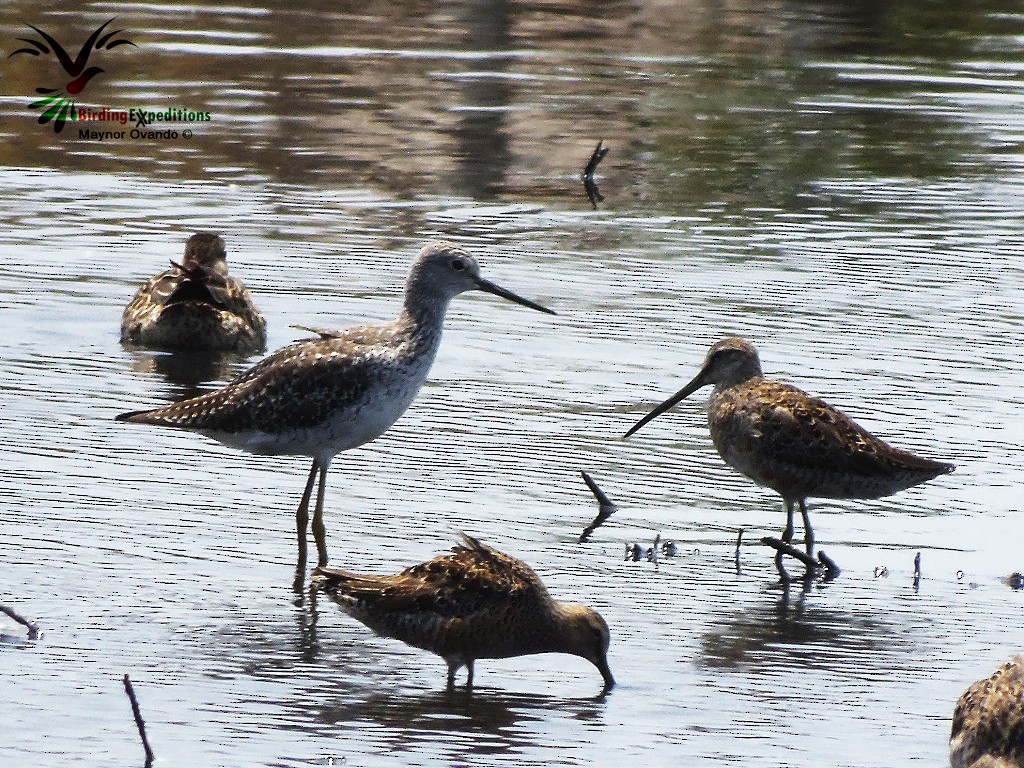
(157, 290)
(472, 581)
(804, 432)
(230, 293)
(298, 386)
(323, 333)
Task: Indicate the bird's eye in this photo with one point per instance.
(458, 265)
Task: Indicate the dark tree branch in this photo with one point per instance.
(595, 159)
(831, 569)
(786, 549)
(593, 193)
(33, 629)
(138, 720)
(605, 507)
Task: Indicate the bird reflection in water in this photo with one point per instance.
(790, 632)
(188, 373)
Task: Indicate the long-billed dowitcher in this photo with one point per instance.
(321, 396)
(195, 305)
(474, 604)
(797, 445)
(988, 722)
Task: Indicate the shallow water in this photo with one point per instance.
(840, 186)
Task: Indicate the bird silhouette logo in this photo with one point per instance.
(58, 104)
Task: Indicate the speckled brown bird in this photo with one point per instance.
(195, 305)
(321, 396)
(797, 445)
(988, 722)
(474, 604)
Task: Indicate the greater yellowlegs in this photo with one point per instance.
(195, 305)
(797, 445)
(474, 604)
(321, 396)
(988, 722)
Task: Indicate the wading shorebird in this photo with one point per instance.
(474, 604)
(988, 722)
(321, 396)
(195, 305)
(797, 445)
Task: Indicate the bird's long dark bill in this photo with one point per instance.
(606, 673)
(497, 290)
(682, 394)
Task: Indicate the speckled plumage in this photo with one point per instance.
(288, 402)
(797, 445)
(476, 603)
(988, 722)
(195, 305)
(325, 395)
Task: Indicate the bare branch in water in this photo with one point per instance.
(831, 569)
(595, 158)
(33, 629)
(786, 549)
(605, 507)
(593, 193)
(140, 724)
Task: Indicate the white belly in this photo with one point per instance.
(346, 428)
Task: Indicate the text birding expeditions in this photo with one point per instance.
(142, 117)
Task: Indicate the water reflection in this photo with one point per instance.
(306, 618)
(793, 630)
(480, 722)
(889, 135)
(481, 135)
(500, 100)
(187, 373)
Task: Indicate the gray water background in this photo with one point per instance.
(839, 183)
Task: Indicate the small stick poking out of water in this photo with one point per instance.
(588, 174)
(831, 569)
(739, 541)
(605, 507)
(138, 720)
(917, 571)
(33, 629)
(595, 158)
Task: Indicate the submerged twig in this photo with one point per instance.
(831, 569)
(595, 158)
(593, 193)
(33, 629)
(780, 546)
(605, 507)
(140, 724)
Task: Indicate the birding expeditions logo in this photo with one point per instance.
(59, 104)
